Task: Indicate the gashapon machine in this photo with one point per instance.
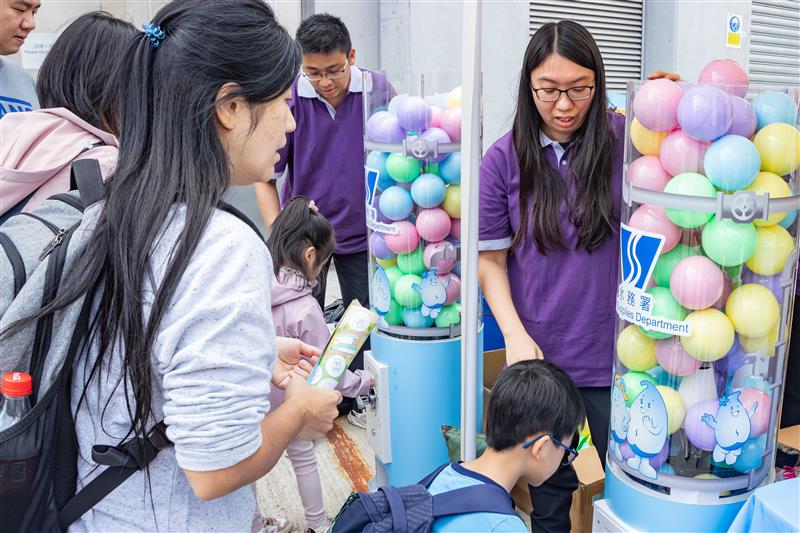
(413, 189)
(707, 283)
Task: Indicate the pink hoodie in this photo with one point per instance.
(296, 314)
(36, 150)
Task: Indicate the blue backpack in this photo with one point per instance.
(413, 509)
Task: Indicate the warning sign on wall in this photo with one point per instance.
(733, 31)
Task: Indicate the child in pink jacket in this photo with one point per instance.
(301, 241)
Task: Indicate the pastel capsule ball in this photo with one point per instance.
(727, 75)
(681, 153)
(779, 147)
(774, 245)
(406, 238)
(452, 201)
(753, 310)
(772, 184)
(712, 335)
(656, 104)
(697, 282)
(405, 293)
(689, 184)
(674, 359)
(676, 411)
(646, 142)
(428, 190)
(636, 350)
(705, 113)
(395, 203)
(732, 163)
(433, 225)
(653, 219)
(729, 243)
(773, 106)
(647, 172)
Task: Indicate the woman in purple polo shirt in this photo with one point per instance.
(550, 193)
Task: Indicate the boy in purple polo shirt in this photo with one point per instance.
(324, 157)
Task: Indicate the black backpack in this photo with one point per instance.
(412, 509)
(38, 455)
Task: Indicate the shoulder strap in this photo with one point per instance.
(228, 208)
(430, 477)
(85, 176)
(483, 498)
(122, 462)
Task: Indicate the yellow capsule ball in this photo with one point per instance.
(711, 335)
(753, 310)
(386, 263)
(454, 98)
(646, 142)
(773, 246)
(772, 184)
(763, 346)
(452, 201)
(676, 410)
(635, 349)
(779, 146)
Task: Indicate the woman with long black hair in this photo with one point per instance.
(181, 328)
(550, 193)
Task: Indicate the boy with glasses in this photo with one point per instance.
(324, 157)
(534, 415)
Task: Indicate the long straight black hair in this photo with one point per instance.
(80, 71)
(170, 153)
(541, 188)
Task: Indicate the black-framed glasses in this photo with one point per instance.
(335, 75)
(576, 94)
(570, 454)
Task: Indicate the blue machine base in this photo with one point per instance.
(425, 385)
(647, 512)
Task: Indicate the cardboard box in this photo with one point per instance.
(587, 465)
(790, 437)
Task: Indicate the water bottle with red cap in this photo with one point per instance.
(16, 389)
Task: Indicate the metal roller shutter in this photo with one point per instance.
(615, 24)
(775, 42)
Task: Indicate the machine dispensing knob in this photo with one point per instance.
(419, 148)
(743, 206)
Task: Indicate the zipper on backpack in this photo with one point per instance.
(58, 239)
(52, 227)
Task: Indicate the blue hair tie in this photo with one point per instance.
(154, 33)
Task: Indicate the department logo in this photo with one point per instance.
(371, 184)
(639, 252)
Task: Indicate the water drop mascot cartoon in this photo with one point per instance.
(620, 417)
(647, 431)
(433, 292)
(731, 427)
(381, 296)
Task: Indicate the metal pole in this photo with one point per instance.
(470, 162)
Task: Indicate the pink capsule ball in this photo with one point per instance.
(647, 172)
(433, 225)
(452, 288)
(759, 421)
(674, 359)
(656, 104)
(726, 74)
(652, 219)
(436, 117)
(696, 282)
(406, 239)
(681, 153)
(451, 123)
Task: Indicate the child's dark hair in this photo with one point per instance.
(323, 34)
(80, 71)
(297, 227)
(532, 397)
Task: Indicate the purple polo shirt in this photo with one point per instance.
(565, 299)
(325, 157)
